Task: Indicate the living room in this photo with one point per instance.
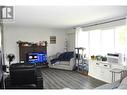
(34, 24)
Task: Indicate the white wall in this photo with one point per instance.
(71, 39)
(31, 34)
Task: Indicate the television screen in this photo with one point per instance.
(37, 57)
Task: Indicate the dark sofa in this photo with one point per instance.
(24, 76)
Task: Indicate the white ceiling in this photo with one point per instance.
(64, 16)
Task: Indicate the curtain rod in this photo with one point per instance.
(102, 22)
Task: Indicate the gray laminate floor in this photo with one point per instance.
(60, 79)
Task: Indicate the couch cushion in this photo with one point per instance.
(21, 65)
(113, 85)
(64, 63)
(123, 84)
(60, 63)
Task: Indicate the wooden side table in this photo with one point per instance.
(116, 70)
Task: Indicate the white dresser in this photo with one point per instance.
(102, 70)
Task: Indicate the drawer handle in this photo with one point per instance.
(105, 65)
(97, 63)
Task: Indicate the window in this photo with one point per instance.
(107, 41)
(95, 42)
(83, 37)
(103, 41)
(121, 39)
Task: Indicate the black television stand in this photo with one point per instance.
(41, 65)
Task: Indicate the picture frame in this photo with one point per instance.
(52, 39)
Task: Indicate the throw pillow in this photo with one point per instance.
(54, 61)
(61, 56)
(70, 55)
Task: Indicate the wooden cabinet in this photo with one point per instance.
(24, 50)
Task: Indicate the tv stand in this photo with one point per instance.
(41, 65)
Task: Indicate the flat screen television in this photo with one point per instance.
(37, 57)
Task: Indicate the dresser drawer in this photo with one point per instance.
(106, 65)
